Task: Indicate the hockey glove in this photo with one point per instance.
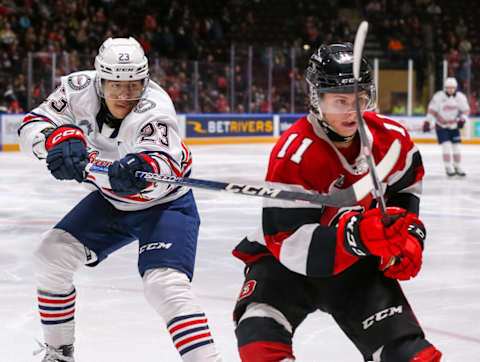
(426, 127)
(460, 122)
(410, 261)
(122, 173)
(67, 153)
(364, 234)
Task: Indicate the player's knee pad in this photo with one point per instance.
(456, 148)
(55, 260)
(446, 147)
(412, 349)
(264, 334)
(169, 292)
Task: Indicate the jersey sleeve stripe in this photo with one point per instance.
(321, 252)
(411, 175)
(33, 118)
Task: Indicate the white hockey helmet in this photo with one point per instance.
(121, 59)
(450, 82)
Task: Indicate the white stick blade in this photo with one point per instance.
(358, 48)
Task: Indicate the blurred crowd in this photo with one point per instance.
(428, 32)
(189, 45)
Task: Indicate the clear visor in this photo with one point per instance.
(123, 90)
(333, 103)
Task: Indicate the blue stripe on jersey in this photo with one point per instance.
(30, 122)
(189, 331)
(125, 201)
(103, 193)
(193, 346)
(176, 319)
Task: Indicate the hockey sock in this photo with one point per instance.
(57, 317)
(446, 154)
(192, 338)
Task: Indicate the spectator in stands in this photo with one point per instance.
(7, 36)
(461, 29)
(374, 10)
(452, 58)
(464, 64)
(434, 9)
(221, 104)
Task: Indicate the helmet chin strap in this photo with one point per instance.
(110, 120)
(332, 135)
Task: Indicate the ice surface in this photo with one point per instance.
(115, 323)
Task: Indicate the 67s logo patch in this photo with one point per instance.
(247, 289)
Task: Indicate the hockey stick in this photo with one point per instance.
(337, 198)
(357, 59)
(367, 151)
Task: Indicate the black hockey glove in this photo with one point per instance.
(67, 153)
(122, 173)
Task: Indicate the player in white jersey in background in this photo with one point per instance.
(115, 116)
(448, 111)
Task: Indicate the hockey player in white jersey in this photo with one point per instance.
(115, 116)
(448, 111)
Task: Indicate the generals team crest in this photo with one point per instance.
(247, 289)
(79, 81)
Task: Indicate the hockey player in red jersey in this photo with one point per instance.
(333, 259)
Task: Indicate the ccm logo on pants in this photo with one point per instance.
(382, 315)
(153, 246)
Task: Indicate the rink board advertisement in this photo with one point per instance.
(244, 128)
(228, 125)
(9, 124)
(286, 120)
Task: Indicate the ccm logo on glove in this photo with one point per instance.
(63, 133)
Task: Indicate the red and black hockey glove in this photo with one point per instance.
(363, 234)
(409, 262)
(67, 152)
(460, 122)
(426, 127)
(122, 173)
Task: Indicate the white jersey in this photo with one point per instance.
(445, 110)
(150, 127)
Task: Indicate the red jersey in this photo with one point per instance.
(304, 238)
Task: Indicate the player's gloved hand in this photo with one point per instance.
(364, 234)
(426, 126)
(67, 153)
(122, 173)
(410, 260)
(460, 122)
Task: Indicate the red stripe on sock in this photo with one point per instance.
(190, 339)
(47, 315)
(186, 324)
(55, 301)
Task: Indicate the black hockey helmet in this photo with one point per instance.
(330, 70)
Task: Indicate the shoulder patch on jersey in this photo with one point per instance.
(144, 105)
(79, 81)
(247, 289)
